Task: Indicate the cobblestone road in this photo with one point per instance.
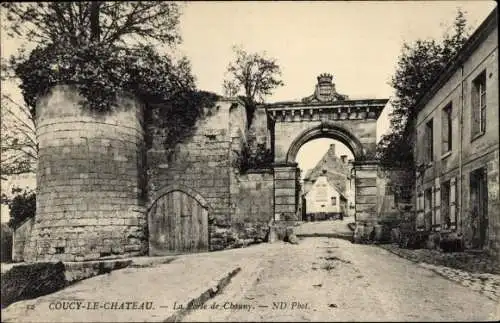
(326, 279)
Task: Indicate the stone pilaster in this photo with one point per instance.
(285, 204)
(366, 200)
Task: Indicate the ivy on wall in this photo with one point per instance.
(260, 157)
(101, 74)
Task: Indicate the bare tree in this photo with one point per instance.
(255, 75)
(19, 148)
(107, 22)
(52, 25)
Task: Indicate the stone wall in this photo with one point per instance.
(201, 162)
(90, 181)
(20, 239)
(206, 161)
(394, 193)
(259, 127)
(253, 199)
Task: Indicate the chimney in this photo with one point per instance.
(343, 158)
(331, 151)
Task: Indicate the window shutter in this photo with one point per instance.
(433, 203)
(422, 202)
(437, 204)
(475, 109)
(431, 141)
(453, 210)
(483, 112)
(428, 141)
(420, 220)
(444, 131)
(424, 146)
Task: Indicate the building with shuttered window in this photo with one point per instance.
(324, 200)
(457, 149)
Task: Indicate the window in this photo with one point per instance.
(334, 200)
(446, 128)
(428, 142)
(479, 104)
(478, 201)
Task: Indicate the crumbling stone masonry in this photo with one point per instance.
(102, 193)
(20, 239)
(90, 201)
(206, 162)
(252, 202)
(93, 191)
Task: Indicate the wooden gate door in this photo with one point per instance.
(178, 224)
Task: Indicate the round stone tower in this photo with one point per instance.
(90, 180)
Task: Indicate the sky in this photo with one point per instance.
(357, 42)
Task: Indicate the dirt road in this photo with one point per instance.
(327, 279)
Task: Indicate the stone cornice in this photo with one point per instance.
(285, 164)
(337, 110)
(368, 162)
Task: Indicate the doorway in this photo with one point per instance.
(178, 223)
(478, 207)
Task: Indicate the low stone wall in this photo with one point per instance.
(20, 237)
(25, 281)
(6, 238)
(391, 204)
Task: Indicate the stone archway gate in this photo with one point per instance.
(326, 114)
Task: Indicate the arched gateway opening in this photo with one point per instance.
(325, 114)
(326, 189)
